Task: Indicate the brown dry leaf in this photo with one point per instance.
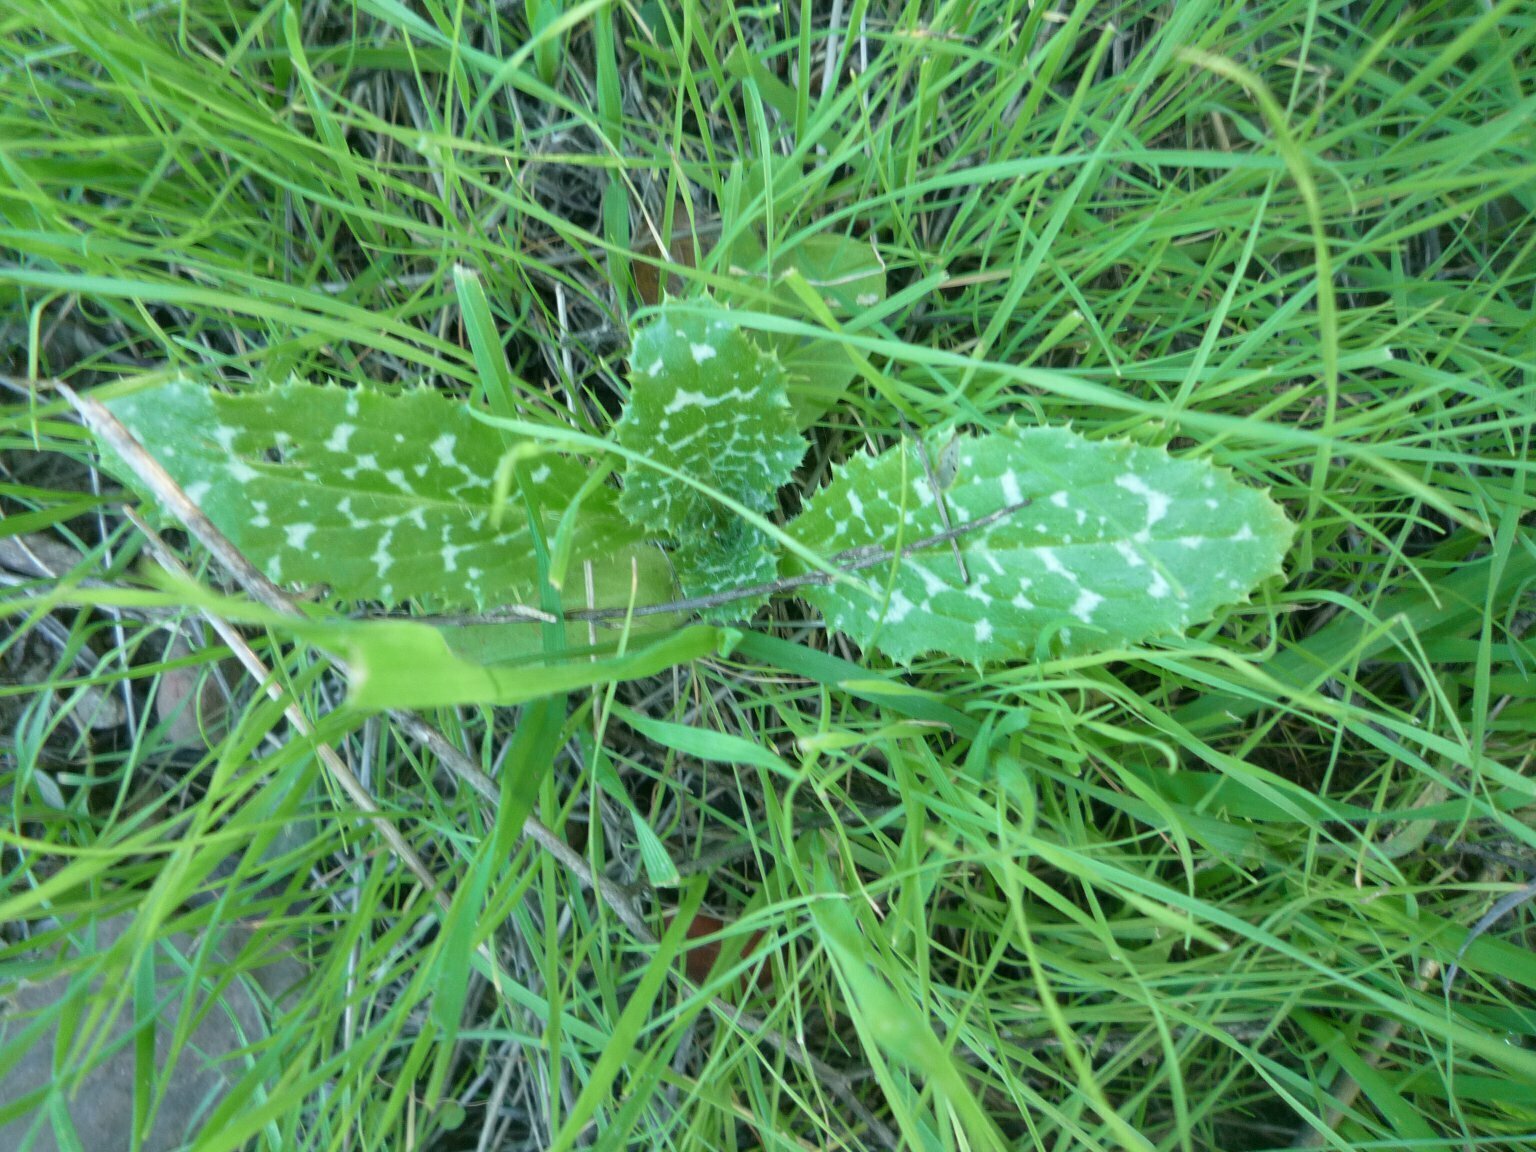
(682, 250)
(700, 959)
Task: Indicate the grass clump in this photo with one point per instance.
(1259, 885)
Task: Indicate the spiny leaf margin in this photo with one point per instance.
(382, 497)
(706, 401)
(1119, 543)
(737, 555)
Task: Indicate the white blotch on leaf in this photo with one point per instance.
(702, 352)
(382, 558)
(297, 534)
(933, 584)
(1158, 503)
(1087, 603)
(339, 437)
(1054, 566)
(686, 399)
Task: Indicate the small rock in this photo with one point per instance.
(100, 1104)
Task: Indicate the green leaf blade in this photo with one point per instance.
(1119, 543)
(708, 403)
(382, 497)
(849, 276)
(737, 555)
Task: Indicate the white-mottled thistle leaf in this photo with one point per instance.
(1119, 543)
(707, 402)
(735, 555)
(381, 497)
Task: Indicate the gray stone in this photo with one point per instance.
(101, 1106)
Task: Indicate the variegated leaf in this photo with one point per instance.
(706, 402)
(1118, 543)
(381, 497)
